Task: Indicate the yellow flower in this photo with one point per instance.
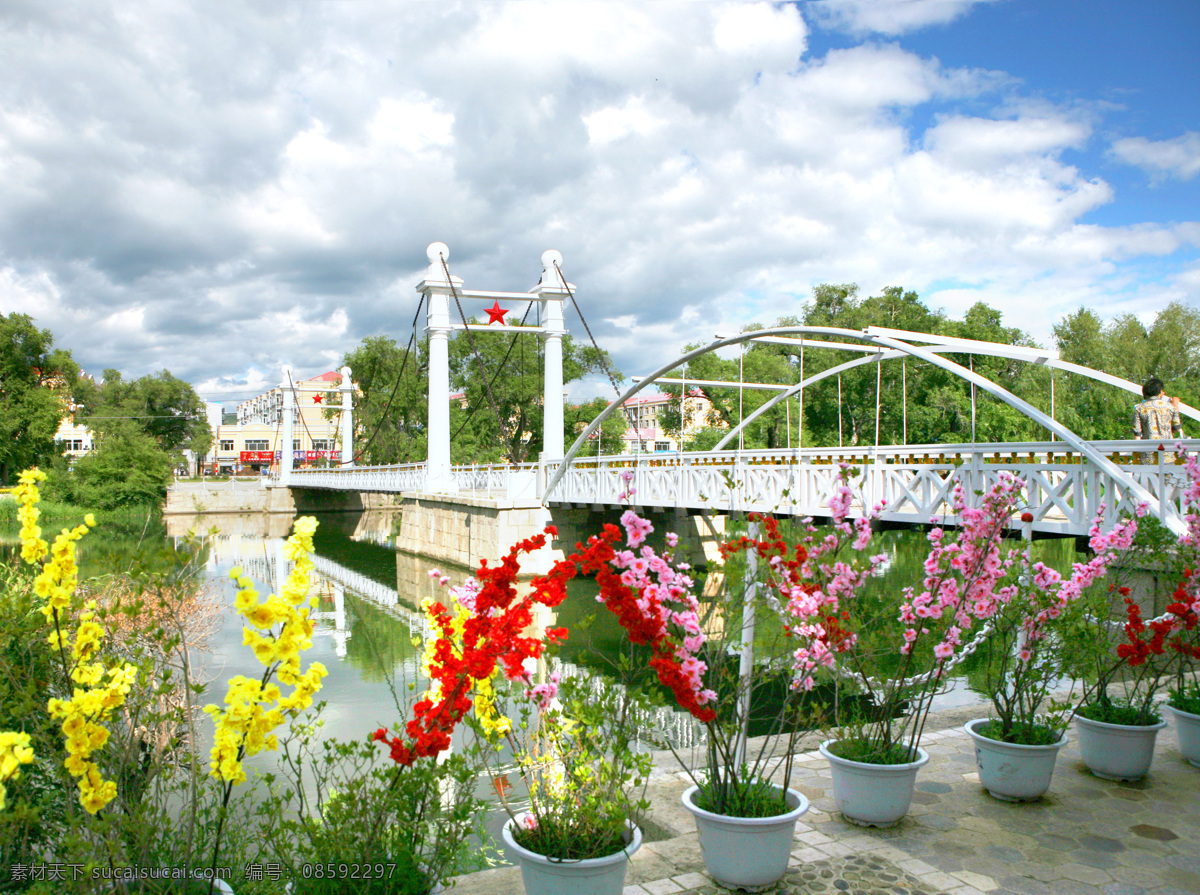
(14, 752)
(254, 709)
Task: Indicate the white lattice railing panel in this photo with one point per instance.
(913, 483)
(388, 479)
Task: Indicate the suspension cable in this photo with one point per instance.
(395, 388)
(296, 404)
(496, 375)
(599, 352)
(479, 362)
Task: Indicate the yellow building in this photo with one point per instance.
(252, 443)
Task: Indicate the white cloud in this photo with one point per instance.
(1178, 158)
(891, 17)
(226, 194)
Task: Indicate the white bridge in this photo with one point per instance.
(1068, 480)
(911, 484)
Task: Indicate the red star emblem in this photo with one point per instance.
(496, 313)
(317, 399)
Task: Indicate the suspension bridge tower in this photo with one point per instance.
(439, 290)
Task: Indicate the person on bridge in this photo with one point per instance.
(1157, 417)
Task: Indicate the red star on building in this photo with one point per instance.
(317, 399)
(496, 313)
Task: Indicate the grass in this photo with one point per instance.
(56, 515)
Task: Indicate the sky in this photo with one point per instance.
(223, 190)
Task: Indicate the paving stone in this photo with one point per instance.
(1087, 837)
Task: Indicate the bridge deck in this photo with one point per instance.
(910, 484)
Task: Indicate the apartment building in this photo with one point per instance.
(646, 433)
(252, 444)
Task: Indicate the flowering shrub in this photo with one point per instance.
(577, 758)
(855, 641)
(96, 691)
(278, 629)
(14, 752)
(1126, 662)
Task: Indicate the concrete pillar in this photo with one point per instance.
(553, 289)
(347, 389)
(287, 429)
(436, 289)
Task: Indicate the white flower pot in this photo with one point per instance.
(1117, 751)
(1013, 772)
(1187, 728)
(746, 852)
(873, 795)
(589, 876)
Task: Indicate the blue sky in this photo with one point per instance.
(1136, 64)
(221, 194)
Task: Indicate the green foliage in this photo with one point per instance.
(1120, 711)
(506, 367)
(37, 383)
(1168, 348)
(403, 828)
(920, 403)
(1186, 698)
(37, 801)
(869, 751)
(392, 408)
(160, 407)
(1021, 733)
(746, 796)
(578, 417)
(585, 774)
(128, 469)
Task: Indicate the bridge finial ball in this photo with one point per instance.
(549, 258)
(437, 251)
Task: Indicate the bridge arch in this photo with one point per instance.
(892, 347)
(950, 347)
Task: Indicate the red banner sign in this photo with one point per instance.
(256, 456)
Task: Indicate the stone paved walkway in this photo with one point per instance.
(1086, 836)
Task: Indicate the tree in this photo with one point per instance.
(501, 379)
(910, 401)
(129, 468)
(37, 384)
(159, 406)
(1168, 348)
(142, 428)
(392, 407)
(608, 439)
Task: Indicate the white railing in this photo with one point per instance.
(389, 479)
(513, 481)
(913, 483)
(205, 486)
(387, 598)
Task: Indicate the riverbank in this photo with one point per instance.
(1086, 837)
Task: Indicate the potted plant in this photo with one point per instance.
(572, 747)
(1183, 695)
(743, 807)
(897, 661)
(1125, 661)
(1184, 703)
(584, 780)
(1020, 662)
